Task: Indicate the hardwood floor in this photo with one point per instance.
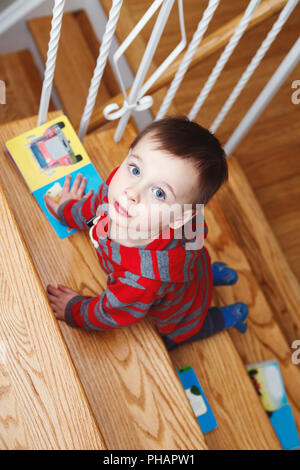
(23, 86)
(269, 153)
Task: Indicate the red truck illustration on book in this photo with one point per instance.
(53, 149)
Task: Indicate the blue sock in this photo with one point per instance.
(234, 316)
(223, 275)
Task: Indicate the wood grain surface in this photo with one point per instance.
(264, 340)
(127, 374)
(110, 81)
(23, 86)
(42, 402)
(262, 250)
(242, 422)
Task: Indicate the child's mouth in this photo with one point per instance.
(121, 210)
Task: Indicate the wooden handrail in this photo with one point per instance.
(208, 46)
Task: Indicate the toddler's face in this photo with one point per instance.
(147, 193)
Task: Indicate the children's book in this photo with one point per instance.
(268, 383)
(45, 156)
(197, 399)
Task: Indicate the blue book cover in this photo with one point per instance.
(268, 383)
(197, 399)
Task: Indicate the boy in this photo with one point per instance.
(134, 222)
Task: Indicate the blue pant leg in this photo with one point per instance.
(214, 323)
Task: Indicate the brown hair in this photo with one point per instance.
(188, 140)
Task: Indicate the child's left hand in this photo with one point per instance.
(58, 298)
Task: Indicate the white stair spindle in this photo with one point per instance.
(276, 28)
(198, 35)
(51, 60)
(137, 101)
(285, 68)
(224, 58)
(100, 66)
(144, 65)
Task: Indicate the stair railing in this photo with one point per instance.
(56, 22)
(289, 63)
(134, 98)
(255, 61)
(100, 66)
(208, 46)
(234, 40)
(285, 68)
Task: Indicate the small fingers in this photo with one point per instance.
(52, 298)
(64, 288)
(80, 191)
(89, 193)
(66, 186)
(51, 205)
(76, 184)
(52, 290)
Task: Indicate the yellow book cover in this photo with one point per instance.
(45, 156)
(48, 152)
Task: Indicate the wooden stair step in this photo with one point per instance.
(75, 63)
(280, 202)
(93, 42)
(42, 402)
(23, 86)
(262, 250)
(264, 339)
(127, 374)
(242, 422)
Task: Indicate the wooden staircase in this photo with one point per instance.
(123, 391)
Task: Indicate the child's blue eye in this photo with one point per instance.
(133, 168)
(159, 193)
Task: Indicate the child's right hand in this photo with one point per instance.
(75, 192)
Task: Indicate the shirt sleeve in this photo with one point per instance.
(124, 302)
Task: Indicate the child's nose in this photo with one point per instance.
(132, 194)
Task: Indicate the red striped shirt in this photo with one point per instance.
(165, 280)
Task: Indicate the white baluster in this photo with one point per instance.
(277, 26)
(99, 69)
(51, 60)
(144, 66)
(234, 40)
(202, 27)
(283, 71)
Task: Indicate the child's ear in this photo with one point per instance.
(187, 215)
